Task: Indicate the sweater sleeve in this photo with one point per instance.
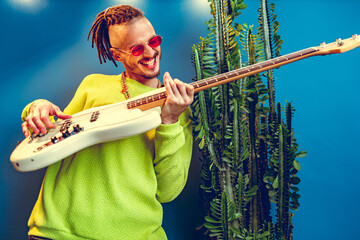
(173, 150)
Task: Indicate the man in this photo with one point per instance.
(114, 190)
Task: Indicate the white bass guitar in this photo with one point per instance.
(136, 115)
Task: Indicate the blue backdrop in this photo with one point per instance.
(45, 55)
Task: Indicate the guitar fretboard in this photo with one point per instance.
(241, 71)
(224, 77)
(146, 100)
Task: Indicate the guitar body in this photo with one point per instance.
(84, 129)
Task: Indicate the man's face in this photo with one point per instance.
(125, 36)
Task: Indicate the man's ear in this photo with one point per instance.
(116, 54)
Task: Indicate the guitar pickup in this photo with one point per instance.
(65, 125)
(94, 116)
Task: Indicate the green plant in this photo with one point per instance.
(247, 152)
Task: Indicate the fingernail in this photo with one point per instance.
(168, 75)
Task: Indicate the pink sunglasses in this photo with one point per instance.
(137, 50)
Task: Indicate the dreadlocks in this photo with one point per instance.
(99, 30)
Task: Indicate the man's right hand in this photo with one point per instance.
(38, 117)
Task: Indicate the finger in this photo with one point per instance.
(32, 125)
(44, 116)
(31, 118)
(190, 92)
(40, 125)
(35, 120)
(25, 129)
(181, 88)
(175, 84)
(58, 113)
(62, 115)
(186, 91)
(167, 79)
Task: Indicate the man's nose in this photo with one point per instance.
(149, 51)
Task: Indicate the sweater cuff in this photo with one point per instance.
(169, 129)
(25, 111)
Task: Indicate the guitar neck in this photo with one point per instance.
(153, 100)
(158, 99)
(252, 69)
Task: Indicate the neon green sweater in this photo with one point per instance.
(113, 190)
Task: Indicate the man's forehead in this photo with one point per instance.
(136, 30)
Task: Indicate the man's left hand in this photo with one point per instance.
(179, 96)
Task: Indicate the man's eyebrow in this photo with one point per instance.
(145, 42)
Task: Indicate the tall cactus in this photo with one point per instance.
(247, 152)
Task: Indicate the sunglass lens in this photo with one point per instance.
(155, 41)
(137, 50)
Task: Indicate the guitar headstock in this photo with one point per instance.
(339, 46)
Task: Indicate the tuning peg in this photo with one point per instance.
(355, 36)
(339, 42)
(323, 45)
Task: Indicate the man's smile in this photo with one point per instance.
(149, 62)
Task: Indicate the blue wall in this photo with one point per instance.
(45, 55)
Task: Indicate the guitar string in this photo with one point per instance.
(224, 76)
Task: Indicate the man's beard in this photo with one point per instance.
(155, 75)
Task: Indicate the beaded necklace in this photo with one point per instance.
(124, 87)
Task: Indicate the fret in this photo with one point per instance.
(293, 55)
(162, 95)
(202, 83)
(230, 74)
(267, 63)
(213, 80)
(255, 67)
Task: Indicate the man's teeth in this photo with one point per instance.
(149, 63)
